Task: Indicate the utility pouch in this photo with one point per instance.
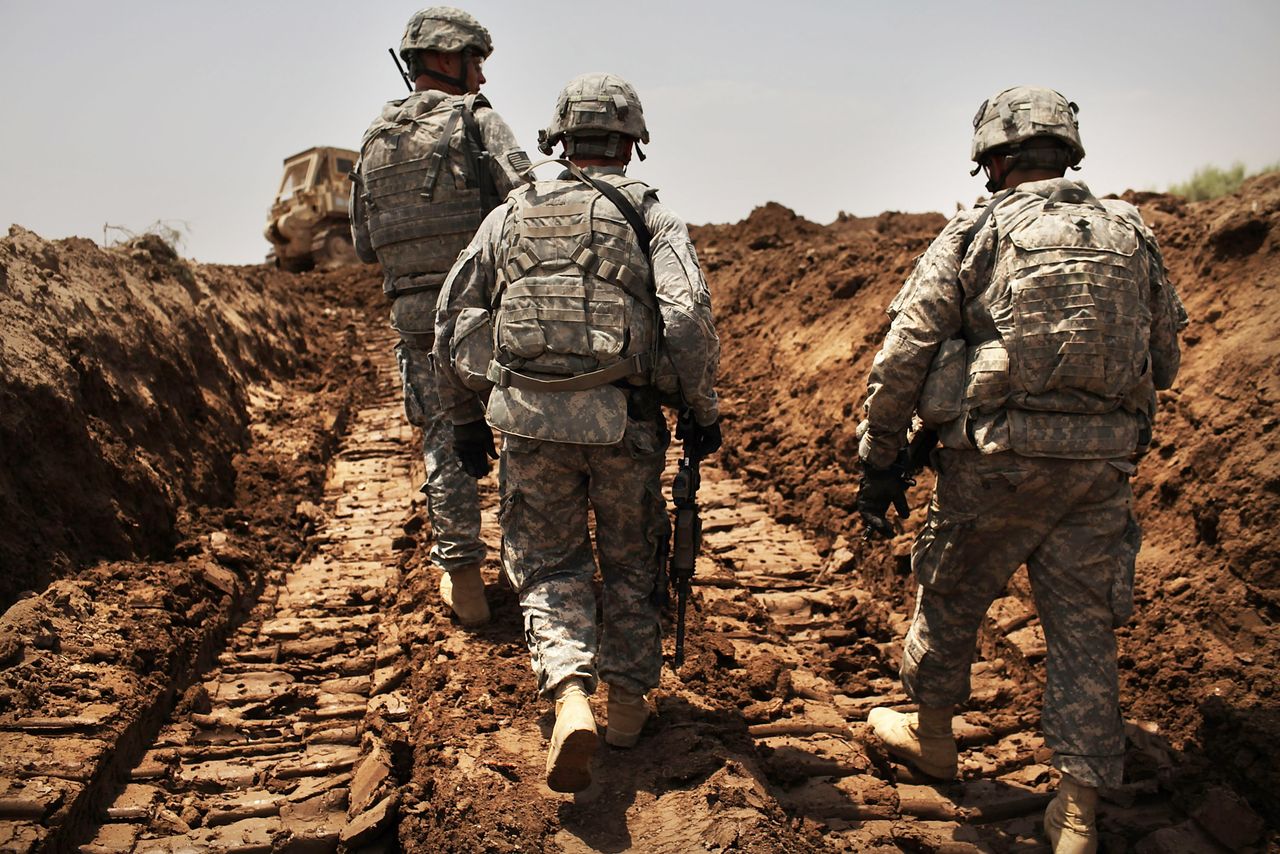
(942, 398)
(1126, 569)
(1073, 436)
(938, 557)
(471, 350)
(593, 416)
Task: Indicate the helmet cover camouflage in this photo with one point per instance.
(595, 105)
(1024, 112)
(445, 29)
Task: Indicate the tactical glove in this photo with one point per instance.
(700, 441)
(473, 443)
(879, 488)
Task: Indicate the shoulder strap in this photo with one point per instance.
(439, 152)
(981, 221)
(621, 202)
(478, 155)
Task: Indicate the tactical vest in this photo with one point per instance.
(574, 315)
(1068, 299)
(427, 185)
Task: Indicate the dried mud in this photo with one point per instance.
(164, 434)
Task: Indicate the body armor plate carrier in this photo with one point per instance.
(575, 319)
(427, 184)
(1069, 300)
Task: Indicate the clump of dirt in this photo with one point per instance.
(800, 309)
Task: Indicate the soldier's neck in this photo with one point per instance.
(1026, 176)
(425, 82)
(598, 161)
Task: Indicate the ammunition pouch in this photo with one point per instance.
(942, 397)
(593, 416)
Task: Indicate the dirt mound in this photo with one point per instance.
(800, 309)
(123, 394)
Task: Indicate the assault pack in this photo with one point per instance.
(575, 312)
(1069, 302)
(427, 183)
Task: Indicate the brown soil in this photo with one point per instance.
(162, 423)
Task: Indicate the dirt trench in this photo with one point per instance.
(322, 699)
(348, 712)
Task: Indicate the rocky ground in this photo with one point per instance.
(223, 631)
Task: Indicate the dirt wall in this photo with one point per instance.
(123, 377)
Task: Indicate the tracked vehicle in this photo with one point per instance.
(308, 225)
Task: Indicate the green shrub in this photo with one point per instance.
(1209, 182)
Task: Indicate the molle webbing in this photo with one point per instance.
(426, 188)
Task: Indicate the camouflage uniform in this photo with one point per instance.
(452, 501)
(1046, 488)
(612, 462)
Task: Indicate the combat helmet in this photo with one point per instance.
(1008, 120)
(593, 113)
(444, 29)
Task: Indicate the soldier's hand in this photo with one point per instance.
(879, 489)
(703, 441)
(473, 443)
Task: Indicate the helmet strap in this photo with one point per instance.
(460, 81)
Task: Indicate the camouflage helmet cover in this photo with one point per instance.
(595, 104)
(1021, 113)
(445, 29)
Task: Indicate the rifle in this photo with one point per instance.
(404, 75)
(688, 529)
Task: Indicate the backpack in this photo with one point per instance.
(1072, 306)
(575, 318)
(573, 298)
(427, 185)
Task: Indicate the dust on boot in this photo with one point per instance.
(1070, 821)
(627, 714)
(463, 591)
(573, 740)
(922, 739)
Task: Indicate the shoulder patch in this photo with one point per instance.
(519, 162)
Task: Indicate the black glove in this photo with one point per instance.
(880, 488)
(700, 441)
(473, 443)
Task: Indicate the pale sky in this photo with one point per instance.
(139, 110)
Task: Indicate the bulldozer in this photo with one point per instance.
(308, 226)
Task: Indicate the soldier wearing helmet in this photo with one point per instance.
(1029, 341)
(578, 311)
(432, 165)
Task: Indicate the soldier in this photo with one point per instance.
(578, 305)
(1031, 336)
(431, 166)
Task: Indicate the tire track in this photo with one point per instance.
(284, 746)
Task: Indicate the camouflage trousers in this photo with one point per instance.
(453, 502)
(1070, 522)
(547, 488)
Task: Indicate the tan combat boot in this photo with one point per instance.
(627, 714)
(573, 741)
(463, 591)
(1070, 822)
(923, 739)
